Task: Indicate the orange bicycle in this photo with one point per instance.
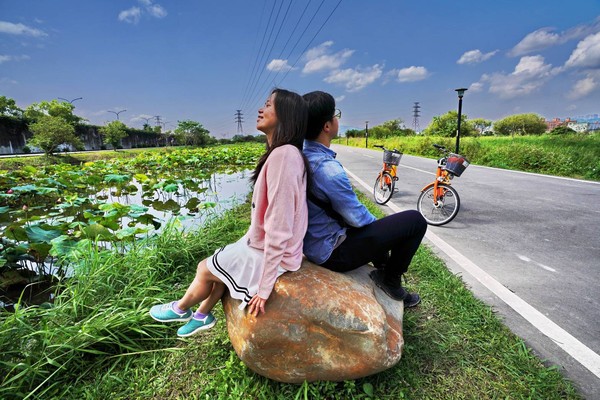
(439, 202)
(386, 180)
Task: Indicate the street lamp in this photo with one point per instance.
(461, 93)
(116, 112)
(367, 134)
(70, 101)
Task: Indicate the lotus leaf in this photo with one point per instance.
(37, 234)
(97, 231)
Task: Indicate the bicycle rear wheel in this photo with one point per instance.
(384, 188)
(442, 210)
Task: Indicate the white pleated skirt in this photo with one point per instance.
(240, 268)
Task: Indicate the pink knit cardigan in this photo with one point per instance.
(279, 214)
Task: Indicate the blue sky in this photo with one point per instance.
(204, 60)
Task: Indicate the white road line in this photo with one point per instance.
(416, 169)
(580, 352)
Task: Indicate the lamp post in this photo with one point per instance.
(367, 134)
(70, 101)
(116, 113)
(461, 93)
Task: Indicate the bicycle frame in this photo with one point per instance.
(441, 176)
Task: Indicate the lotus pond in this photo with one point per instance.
(48, 213)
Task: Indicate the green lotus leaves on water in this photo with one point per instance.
(62, 246)
(171, 187)
(116, 178)
(36, 233)
(68, 204)
(97, 231)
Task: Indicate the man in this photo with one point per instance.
(342, 234)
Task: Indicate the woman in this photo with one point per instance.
(273, 243)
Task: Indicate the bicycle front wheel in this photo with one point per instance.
(441, 210)
(384, 188)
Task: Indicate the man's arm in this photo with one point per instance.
(331, 184)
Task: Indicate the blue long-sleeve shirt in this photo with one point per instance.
(331, 185)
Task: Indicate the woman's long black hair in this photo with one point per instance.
(292, 116)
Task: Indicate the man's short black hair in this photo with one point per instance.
(321, 107)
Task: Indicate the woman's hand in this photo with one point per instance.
(256, 305)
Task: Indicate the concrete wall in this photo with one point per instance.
(14, 136)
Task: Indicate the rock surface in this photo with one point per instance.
(319, 325)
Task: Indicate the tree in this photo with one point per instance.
(53, 108)
(190, 132)
(113, 132)
(562, 130)
(446, 125)
(9, 108)
(481, 125)
(49, 133)
(520, 124)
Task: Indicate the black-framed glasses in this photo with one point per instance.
(338, 114)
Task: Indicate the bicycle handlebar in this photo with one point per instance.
(383, 147)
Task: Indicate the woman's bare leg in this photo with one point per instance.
(215, 296)
(200, 289)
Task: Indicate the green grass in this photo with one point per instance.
(575, 156)
(97, 342)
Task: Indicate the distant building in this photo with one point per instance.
(586, 123)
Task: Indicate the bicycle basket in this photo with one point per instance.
(392, 157)
(456, 164)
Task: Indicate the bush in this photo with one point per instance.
(26, 149)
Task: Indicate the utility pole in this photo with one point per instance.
(239, 119)
(367, 134)
(416, 114)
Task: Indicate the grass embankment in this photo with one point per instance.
(575, 156)
(98, 342)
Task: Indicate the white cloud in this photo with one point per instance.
(355, 79)
(546, 37)
(8, 81)
(535, 41)
(587, 53)
(475, 56)
(134, 14)
(410, 74)
(319, 59)
(340, 99)
(585, 86)
(7, 58)
(20, 29)
(278, 65)
(530, 74)
(476, 87)
(157, 11)
(131, 15)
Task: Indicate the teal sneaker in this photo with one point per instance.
(165, 313)
(196, 325)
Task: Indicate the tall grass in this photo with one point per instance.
(99, 317)
(576, 156)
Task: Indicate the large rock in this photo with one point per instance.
(319, 325)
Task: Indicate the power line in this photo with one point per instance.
(261, 94)
(259, 54)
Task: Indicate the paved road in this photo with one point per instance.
(527, 244)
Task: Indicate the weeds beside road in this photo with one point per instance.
(574, 156)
